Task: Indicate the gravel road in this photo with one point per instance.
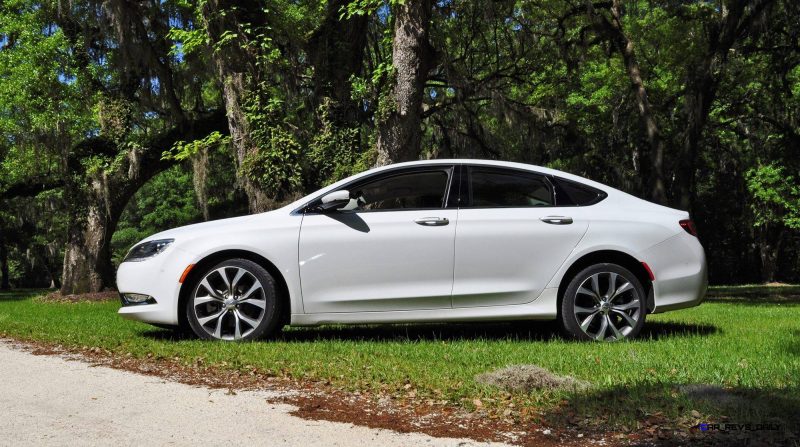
(48, 400)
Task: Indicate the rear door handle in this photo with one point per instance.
(432, 221)
(557, 220)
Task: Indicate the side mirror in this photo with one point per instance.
(336, 199)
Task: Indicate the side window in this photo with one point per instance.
(414, 190)
(569, 193)
(508, 188)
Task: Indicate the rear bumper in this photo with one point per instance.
(681, 276)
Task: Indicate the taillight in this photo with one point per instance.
(688, 225)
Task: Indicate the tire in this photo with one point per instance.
(603, 314)
(233, 310)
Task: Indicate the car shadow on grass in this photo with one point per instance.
(670, 414)
(523, 331)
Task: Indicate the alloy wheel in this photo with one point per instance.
(229, 303)
(607, 306)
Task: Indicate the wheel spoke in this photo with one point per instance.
(623, 288)
(585, 291)
(205, 320)
(214, 293)
(255, 302)
(253, 323)
(218, 329)
(586, 310)
(256, 285)
(224, 276)
(601, 334)
(238, 327)
(239, 273)
(626, 306)
(617, 334)
(596, 284)
(612, 284)
(205, 299)
(587, 321)
(628, 319)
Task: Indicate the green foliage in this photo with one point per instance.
(274, 165)
(184, 150)
(334, 152)
(167, 201)
(776, 196)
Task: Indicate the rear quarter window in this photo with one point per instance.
(569, 193)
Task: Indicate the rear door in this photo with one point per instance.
(511, 238)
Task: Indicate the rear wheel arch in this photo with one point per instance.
(215, 258)
(608, 257)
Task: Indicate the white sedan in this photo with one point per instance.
(427, 241)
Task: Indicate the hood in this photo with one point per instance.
(201, 229)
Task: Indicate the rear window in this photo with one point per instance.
(494, 188)
(569, 193)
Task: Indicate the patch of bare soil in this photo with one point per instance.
(57, 297)
(529, 378)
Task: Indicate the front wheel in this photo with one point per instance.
(603, 302)
(234, 300)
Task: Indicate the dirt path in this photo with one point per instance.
(47, 400)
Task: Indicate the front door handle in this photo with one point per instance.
(432, 221)
(557, 220)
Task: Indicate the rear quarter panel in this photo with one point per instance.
(620, 225)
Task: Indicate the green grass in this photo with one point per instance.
(749, 346)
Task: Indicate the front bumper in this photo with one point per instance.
(157, 277)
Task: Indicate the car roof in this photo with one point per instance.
(497, 163)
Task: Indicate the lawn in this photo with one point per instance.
(743, 339)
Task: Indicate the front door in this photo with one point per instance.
(391, 250)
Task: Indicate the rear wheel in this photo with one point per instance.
(604, 302)
(234, 300)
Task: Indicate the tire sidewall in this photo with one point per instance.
(268, 325)
(570, 324)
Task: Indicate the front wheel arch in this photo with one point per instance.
(280, 282)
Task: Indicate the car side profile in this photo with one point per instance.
(426, 241)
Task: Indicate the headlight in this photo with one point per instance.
(147, 250)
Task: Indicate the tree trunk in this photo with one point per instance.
(5, 283)
(95, 209)
(336, 51)
(87, 256)
(654, 139)
(46, 259)
(233, 66)
(399, 132)
(769, 245)
(233, 90)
